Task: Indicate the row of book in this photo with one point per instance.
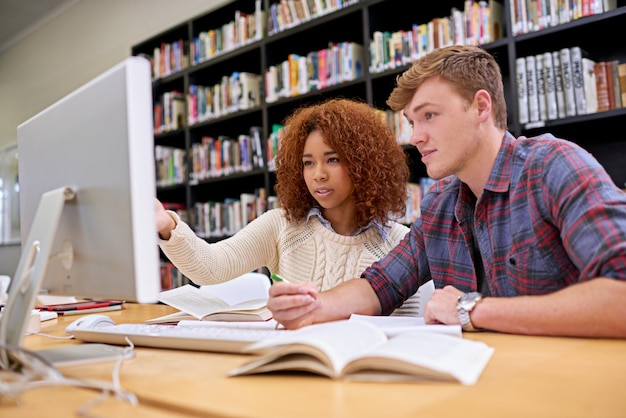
(479, 22)
(168, 58)
(238, 91)
(340, 62)
(285, 14)
(171, 277)
(415, 192)
(219, 219)
(272, 145)
(170, 165)
(245, 28)
(399, 125)
(564, 83)
(223, 155)
(533, 15)
(300, 74)
(169, 112)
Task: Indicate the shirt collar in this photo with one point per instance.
(500, 177)
(315, 211)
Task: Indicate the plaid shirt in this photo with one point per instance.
(549, 216)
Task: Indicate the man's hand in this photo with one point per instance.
(293, 304)
(441, 307)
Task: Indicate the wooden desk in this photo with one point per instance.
(526, 377)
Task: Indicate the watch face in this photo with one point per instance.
(468, 300)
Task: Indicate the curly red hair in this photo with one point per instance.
(366, 146)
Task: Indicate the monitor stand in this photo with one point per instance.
(30, 272)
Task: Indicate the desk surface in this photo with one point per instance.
(526, 377)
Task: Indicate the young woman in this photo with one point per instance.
(341, 181)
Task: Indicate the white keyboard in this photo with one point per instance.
(200, 338)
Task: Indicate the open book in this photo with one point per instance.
(359, 350)
(197, 304)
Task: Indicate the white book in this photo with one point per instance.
(576, 56)
(552, 109)
(568, 85)
(522, 94)
(303, 75)
(554, 12)
(361, 351)
(589, 81)
(558, 84)
(541, 88)
(531, 88)
(197, 304)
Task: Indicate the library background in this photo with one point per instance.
(224, 81)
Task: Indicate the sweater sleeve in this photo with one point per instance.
(252, 247)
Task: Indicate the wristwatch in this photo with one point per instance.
(464, 306)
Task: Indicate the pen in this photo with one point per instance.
(276, 278)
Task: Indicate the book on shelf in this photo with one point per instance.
(617, 92)
(522, 93)
(576, 56)
(531, 89)
(621, 72)
(363, 351)
(196, 304)
(552, 109)
(589, 84)
(602, 86)
(558, 84)
(541, 88)
(610, 84)
(568, 84)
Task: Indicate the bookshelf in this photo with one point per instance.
(352, 23)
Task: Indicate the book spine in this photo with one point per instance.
(576, 56)
(589, 78)
(602, 92)
(558, 84)
(541, 88)
(522, 95)
(568, 86)
(531, 88)
(621, 71)
(609, 82)
(552, 109)
(617, 93)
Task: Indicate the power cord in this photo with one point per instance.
(31, 371)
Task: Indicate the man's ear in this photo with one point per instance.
(482, 101)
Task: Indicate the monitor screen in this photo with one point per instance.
(87, 190)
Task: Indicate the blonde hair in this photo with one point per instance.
(468, 68)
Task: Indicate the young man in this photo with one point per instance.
(523, 236)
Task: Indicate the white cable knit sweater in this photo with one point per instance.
(295, 251)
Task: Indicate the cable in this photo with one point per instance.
(34, 371)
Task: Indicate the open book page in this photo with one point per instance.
(394, 325)
(249, 286)
(359, 350)
(415, 356)
(319, 348)
(194, 303)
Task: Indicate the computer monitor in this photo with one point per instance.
(87, 190)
